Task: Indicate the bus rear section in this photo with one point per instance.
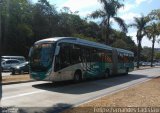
(122, 61)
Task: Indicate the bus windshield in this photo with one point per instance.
(41, 56)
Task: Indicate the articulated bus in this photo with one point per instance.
(67, 58)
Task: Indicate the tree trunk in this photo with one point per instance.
(108, 31)
(138, 52)
(104, 33)
(153, 42)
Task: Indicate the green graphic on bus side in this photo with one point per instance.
(96, 70)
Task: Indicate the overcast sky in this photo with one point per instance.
(131, 9)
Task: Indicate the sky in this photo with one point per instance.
(131, 9)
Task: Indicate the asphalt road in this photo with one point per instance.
(49, 97)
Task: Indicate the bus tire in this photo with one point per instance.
(127, 70)
(20, 72)
(77, 76)
(106, 74)
(13, 72)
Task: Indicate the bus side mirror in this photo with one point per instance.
(57, 50)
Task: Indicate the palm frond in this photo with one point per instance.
(97, 14)
(121, 23)
(132, 25)
(111, 6)
(152, 31)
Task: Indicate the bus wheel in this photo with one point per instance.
(77, 77)
(106, 74)
(13, 72)
(127, 70)
(21, 72)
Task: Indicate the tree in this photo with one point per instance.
(155, 14)
(16, 16)
(146, 54)
(141, 25)
(45, 20)
(120, 44)
(152, 33)
(157, 55)
(109, 11)
(153, 30)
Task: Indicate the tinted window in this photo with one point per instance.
(63, 59)
(125, 58)
(120, 57)
(86, 54)
(75, 53)
(101, 55)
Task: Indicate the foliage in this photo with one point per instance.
(84, 37)
(109, 11)
(157, 55)
(141, 25)
(153, 30)
(121, 40)
(23, 23)
(146, 54)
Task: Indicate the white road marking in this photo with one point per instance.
(20, 95)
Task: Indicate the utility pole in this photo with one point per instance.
(0, 52)
(0, 47)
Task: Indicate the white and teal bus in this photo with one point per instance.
(65, 58)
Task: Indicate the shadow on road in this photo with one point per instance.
(88, 85)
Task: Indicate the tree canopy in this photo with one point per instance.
(23, 23)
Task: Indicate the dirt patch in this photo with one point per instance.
(15, 78)
(143, 95)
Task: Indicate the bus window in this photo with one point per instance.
(86, 54)
(75, 53)
(63, 59)
(131, 58)
(120, 57)
(126, 58)
(95, 55)
(108, 56)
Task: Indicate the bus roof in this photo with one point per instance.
(83, 42)
(76, 41)
(53, 39)
(124, 51)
